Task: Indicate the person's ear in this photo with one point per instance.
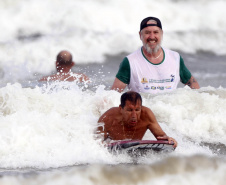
(140, 34)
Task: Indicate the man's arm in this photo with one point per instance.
(100, 129)
(153, 126)
(157, 131)
(105, 123)
(186, 77)
(122, 77)
(118, 85)
(192, 83)
(84, 78)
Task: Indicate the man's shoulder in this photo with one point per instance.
(146, 111)
(114, 111)
(66, 77)
(50, 78)
(137, 52)
(79, 77)
(110, 115)
(171, 52)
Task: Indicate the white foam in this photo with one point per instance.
(54, 126)
(92, 29)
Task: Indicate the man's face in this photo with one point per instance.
(151, 37)
(131, 113)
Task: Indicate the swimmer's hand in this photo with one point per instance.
(170, 140)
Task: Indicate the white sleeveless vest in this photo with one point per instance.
(154, 78)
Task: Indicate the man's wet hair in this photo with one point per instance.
(64, 58)
(131, 96)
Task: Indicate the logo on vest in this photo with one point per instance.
(172, 78)
(168, 87)
(158, 84)
(160, 87)
(144, 81)
(146, 87)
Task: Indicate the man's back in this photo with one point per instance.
(66, 77)
(64, 64)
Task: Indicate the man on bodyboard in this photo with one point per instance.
(130, 121)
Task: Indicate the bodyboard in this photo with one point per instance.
(140, 147)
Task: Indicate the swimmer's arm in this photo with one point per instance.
(157, 131)
(153, 125)
(102, 134)
(104, 124)
(192, 83)
(86, 78)
(100, 131)
(107, 121)
(170, 140)
(118, 85)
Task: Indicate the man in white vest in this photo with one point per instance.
(153, 69)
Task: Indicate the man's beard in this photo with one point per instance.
(152, 51)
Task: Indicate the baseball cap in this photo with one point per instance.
(144, 24)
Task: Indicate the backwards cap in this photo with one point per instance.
(144, 24)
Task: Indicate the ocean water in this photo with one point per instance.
(47, 129)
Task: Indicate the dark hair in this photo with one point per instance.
(64, 58)
(131, 96)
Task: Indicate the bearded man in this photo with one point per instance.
(152, 69)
